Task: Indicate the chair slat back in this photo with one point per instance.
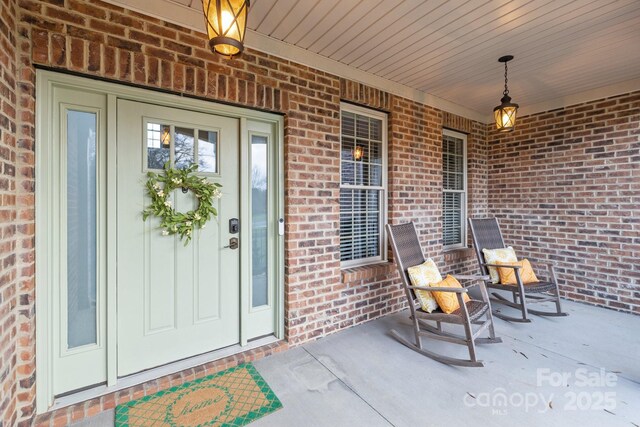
(486, 235)
(406, 248)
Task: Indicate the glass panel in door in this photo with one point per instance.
(81, 229)
(259, 215)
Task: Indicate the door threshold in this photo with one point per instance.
(158, 372)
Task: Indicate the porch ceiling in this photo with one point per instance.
(449, 48)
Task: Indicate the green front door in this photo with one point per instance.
(174, 301)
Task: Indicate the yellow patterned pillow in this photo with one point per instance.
(492, 256)
(508, 275)
(448, 301)
(424, 275)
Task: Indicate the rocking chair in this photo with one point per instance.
(407, 253)
(486, 235)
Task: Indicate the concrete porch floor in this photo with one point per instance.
(582, 370)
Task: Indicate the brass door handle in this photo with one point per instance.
(233, 243)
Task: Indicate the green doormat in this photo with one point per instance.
(234, 397)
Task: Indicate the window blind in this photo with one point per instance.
(361, 186)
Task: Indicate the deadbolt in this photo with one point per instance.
(233, 243)
(234, 226)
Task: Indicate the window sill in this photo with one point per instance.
(364, 272)
(458, 254)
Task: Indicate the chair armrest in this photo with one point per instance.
(440, 289)
(551, 268)
(472, 277)
(515, 267)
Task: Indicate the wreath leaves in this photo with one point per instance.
(159, 188)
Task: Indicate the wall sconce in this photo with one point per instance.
(358, 153)
(165, 139)
(505, 113)
(226, 24)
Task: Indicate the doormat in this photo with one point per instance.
(234, 397)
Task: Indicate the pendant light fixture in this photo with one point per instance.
(165, 139)
(358, 153)
(505, 113)
(226, 25)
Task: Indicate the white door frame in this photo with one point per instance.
(45, 196)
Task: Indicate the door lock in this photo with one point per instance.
(233, 243)
(234, 226)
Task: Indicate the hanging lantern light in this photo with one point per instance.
(505, 113)
(165, 139)
(358, 152)
(226, 25)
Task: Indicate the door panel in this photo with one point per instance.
(78, 175)
(174, 301)
(261, 217)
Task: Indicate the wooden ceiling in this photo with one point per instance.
(449, 48)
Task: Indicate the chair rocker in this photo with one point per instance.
(487, 235)
(407, 253)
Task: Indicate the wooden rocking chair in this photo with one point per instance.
(487, 235)
(408, 253)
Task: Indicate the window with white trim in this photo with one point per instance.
(363, 185)
(454, 189)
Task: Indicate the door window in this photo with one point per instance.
(182, 146)
(81, 229)
(259, 215)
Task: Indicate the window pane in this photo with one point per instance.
(184, 146)
(362, 173)
(348, 145)
(81, 229)
(348, 173)
(453, 163)
(452, 221)
(359, 224)
(207, 151)
(158, 145)
(259, 236)
(375, 175)
(348, 124)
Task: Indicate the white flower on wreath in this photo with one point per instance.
(165, 233)
(203, 225)
(167, 203)
(188, 223)
(156, 186)
(188, 232)
(197, 217)
(176, 181)
(160, 193)
(216, 194)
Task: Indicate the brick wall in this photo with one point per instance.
(98, 39)
(565, 186)
(9, 238)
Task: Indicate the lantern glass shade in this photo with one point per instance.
(358, 152)
(166, 137)
(226, 25)
(505, 115)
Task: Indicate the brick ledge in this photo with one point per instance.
(458, 254)
(369, 271)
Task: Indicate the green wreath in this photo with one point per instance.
(159, 188)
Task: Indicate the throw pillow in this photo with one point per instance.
(492, 256)
(424, 275)
(508, 275)
(448, 301)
